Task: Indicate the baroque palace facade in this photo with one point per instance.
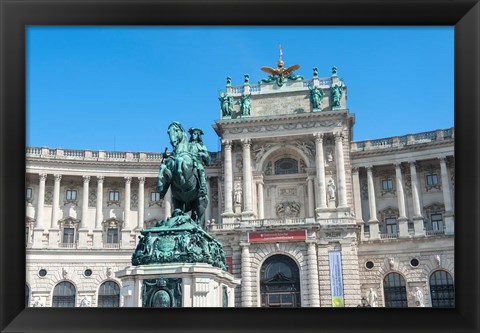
(307, 216)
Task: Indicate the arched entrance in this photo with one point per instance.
(280, 282)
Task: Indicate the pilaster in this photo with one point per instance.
(340, 164)
(373, 221)
(39, 226)
(53, 231)
(83, 230)
(320, 166)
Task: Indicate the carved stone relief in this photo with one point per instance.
(288, 209)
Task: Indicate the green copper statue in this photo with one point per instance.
(180, 237)
(226, 104)
(336, 95)
(183, 171)
(245, 104)
(316, 96)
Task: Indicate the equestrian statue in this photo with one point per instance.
(180, 238)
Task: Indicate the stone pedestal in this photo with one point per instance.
(449, 224)
(82, 238)
(403, 227)
(237, 208)
(53, 237)
(331, 203)
(374, 229)
(97, 238)
(177, 285)
(125, 242)
(37, 238)
(418, 226)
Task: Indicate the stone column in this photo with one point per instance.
(39, 226)
(340, 164)
(260, 199)
(320, 165)
(168, 203)
(56, 202)
(447, 198)
(247, 179)
(312, 261)
(311, 197)
(357, 200)
(208, 211)
(97, 232)
(402, 219)
(141, 202)
(126, 230)
(246, 276)
(220, 198)
(417, 214)
(83, 230)
(373, 221)
(228, 178)
(53, 231)
(126, 212)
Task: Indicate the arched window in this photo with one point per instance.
(280, 282)
(286, 166)
(442, 290)
(394, 291)
(27, 295)
(109, 295)
(64, 295)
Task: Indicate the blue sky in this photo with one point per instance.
(118, 88)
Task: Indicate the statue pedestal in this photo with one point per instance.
(177, 285)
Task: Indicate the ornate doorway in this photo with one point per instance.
(280, 282)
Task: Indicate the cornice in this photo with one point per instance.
(404, 149)
(284, 117)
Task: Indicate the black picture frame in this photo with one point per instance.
(16, 15)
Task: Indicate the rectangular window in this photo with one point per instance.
(436, 221)
(155, 196)
(71, 195)
(387, 184)
(29, 193)
(432, 180)
(391, 224)
(112, 235)
(68, 235)
(114, 196)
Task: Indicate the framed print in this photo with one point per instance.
(288, 211)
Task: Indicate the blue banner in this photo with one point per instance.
(336, 279)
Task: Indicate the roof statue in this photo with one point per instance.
(280, 74)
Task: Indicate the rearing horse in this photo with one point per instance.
(179, 171)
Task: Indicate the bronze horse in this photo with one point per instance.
(180, 171)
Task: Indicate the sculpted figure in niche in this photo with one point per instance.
(38, 303)
(372, 298)
(238, 194)
(329, 155)
(331, 189)
(84, 303)
(418, 297)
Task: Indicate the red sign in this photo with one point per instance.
(229, 263)
(274, 236)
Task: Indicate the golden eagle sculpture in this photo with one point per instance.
(280, 74)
